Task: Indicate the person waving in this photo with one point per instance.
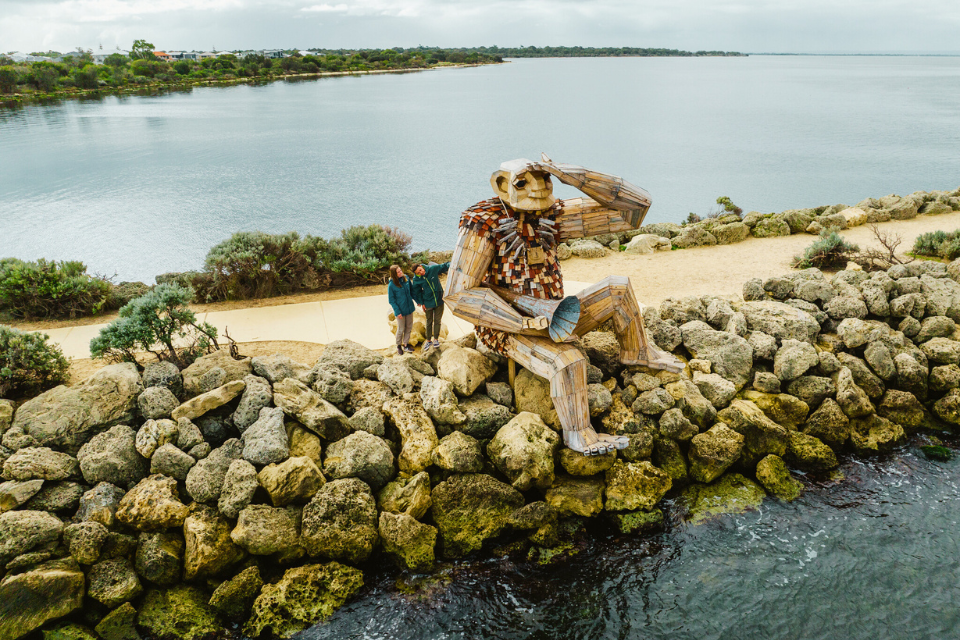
(428, 293)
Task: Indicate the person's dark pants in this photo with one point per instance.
(433, 322)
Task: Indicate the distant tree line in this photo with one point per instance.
(582, 52)
(142, 67)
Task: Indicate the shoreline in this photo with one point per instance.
(15, 100)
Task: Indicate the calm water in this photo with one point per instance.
(875, 556)
(142, 185)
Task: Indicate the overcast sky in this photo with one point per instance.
(804, 26)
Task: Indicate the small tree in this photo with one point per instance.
(830, 251)
(142, 50)
(728, 206)
(28, 363)
(159, 322)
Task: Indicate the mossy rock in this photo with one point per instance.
(937, 452)
(773, 474)
(637, 521)
(731, 494)
(572, 495)
(178, 613)
(471, 508)
(304, 596)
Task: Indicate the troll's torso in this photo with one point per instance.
(525, 253)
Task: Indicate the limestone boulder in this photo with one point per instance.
(119, 624)
(15, 493)
(764, 346)
(171, 461)
(152, 505)
(303, 597)
(265, 441)
(340, 522)
(878, 356)
(23, 531)
(279, 367)
(874, 434)
(360, 455)
(691, 402)
(771, 227)
(46, 592)
(635, 485)
(205, 479)
(257, 394)
(214, 370)
(809, 453)
(715, 388)
(523, 449)
(812, 389)
(350, 357)
(466, 368)
(668, 455)
(731, 355)
(113, 582)
(782, 408)
(440, 401)
(731, 494)
(712, 452)
(576, 496)
(587, 249)
(332, 384)
(157, 402)
(829, 424)
(417, 434)
(369, 419)
(761, 435)
(471, 508)
(673, 424)
(941, 351)
(852, 399)
(862, 375)
(159, 557)
(459, 453)
(409, 543)
(67, 417)
(577, 464)
(943, 379)
(409, 495)
(694, 236)
(533, 395)
(911, 375)
(263, 530)
(180, 612)
(780, 320)
(154, 434)
(234, 598)
(947, 408)
(300, 402)
(31, 463)
(209, 550)
(773, 474)
(239, 487)
(653, 402)
(646, 243)
(206, 402)
(403, 374)
(163, 374)
(903, 408)
(100, 504)
(293, 481)
(793, 359)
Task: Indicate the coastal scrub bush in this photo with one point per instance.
(830, 251)
(159, 322)
(727, 207)
(29, 363)
(253, 264)
(8, 79)
(50, 289)
(366, 251)
(938, 244)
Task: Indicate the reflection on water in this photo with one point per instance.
(140, 185)
(875, 555)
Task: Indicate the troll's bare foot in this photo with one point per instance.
(590, 443)
(655, 359)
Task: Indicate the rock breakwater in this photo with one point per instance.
(252, 494)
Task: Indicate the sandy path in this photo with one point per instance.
(722, 270)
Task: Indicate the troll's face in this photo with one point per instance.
(523, 186)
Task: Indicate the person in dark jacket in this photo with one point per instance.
(401, 299)
(428, 293)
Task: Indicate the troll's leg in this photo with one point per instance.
(566, 369)
(612, 298)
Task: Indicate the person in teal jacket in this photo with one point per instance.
(400, 297)
(428, 293)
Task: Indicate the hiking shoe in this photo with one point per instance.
(436, 343)
(408, 348)
(399, 350)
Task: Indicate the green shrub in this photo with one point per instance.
(367, 250)
(159, 322)
(253, 264)
(51, 289)
(8, 79)
(938, 244)
(830, 251)
(28, 363)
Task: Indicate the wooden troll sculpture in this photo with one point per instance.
(505, 278)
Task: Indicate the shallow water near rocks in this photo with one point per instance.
(874, 555)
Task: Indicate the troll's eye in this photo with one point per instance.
(520, 184)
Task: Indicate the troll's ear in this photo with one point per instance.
(500, 181)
